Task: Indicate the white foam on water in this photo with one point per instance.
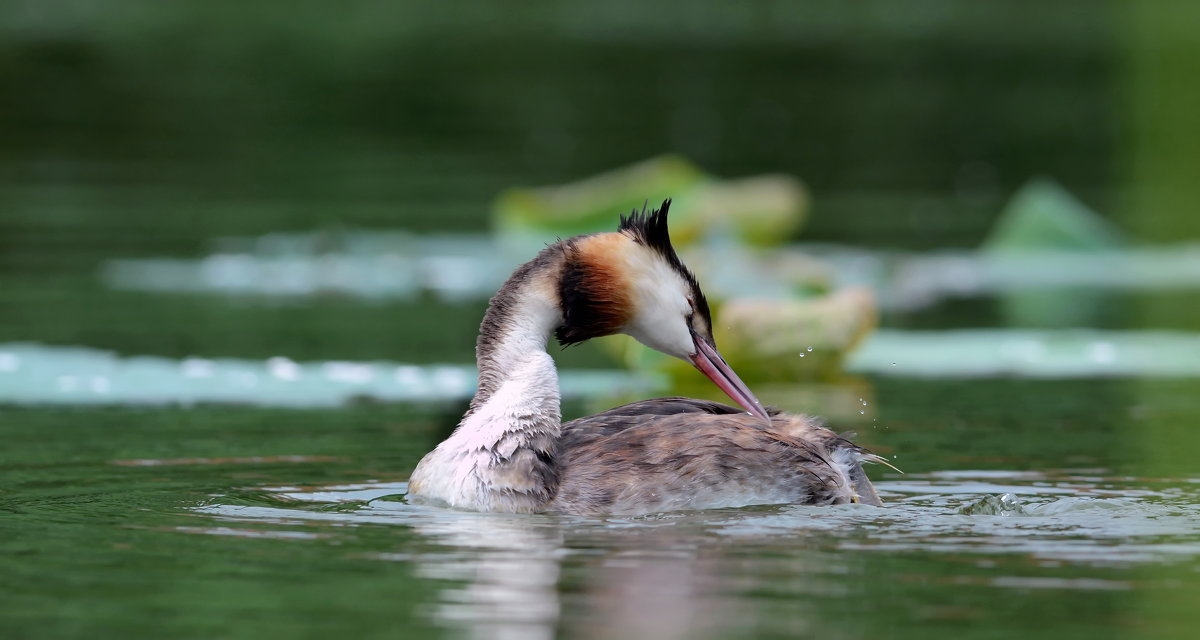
(1061, 516)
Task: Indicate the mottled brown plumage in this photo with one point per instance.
(669, 454)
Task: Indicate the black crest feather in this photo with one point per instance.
(650, 230)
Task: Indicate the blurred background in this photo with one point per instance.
(238, 234)
(133, 130)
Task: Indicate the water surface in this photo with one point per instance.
(1025, 510)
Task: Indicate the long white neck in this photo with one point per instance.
(503, 455)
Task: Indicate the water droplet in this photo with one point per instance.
(893, 364)
(801, 355)
(810, 349)
(862, 412)
(864, 402)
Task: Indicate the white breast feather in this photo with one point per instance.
(457, 471)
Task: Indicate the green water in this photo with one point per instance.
(1056, 507)
(242, 522)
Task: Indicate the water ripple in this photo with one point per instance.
(1100, 523)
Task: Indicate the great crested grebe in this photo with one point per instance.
(512, 453)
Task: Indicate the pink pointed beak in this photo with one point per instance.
(713, 366)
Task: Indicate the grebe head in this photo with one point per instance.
(632, 282)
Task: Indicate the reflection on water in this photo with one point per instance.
(507, 587)
(504, 569)
(273, 518)
(681, 574)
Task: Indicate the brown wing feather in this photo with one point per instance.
(684, 457)
(617, 419)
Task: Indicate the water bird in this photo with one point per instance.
(511, 452)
